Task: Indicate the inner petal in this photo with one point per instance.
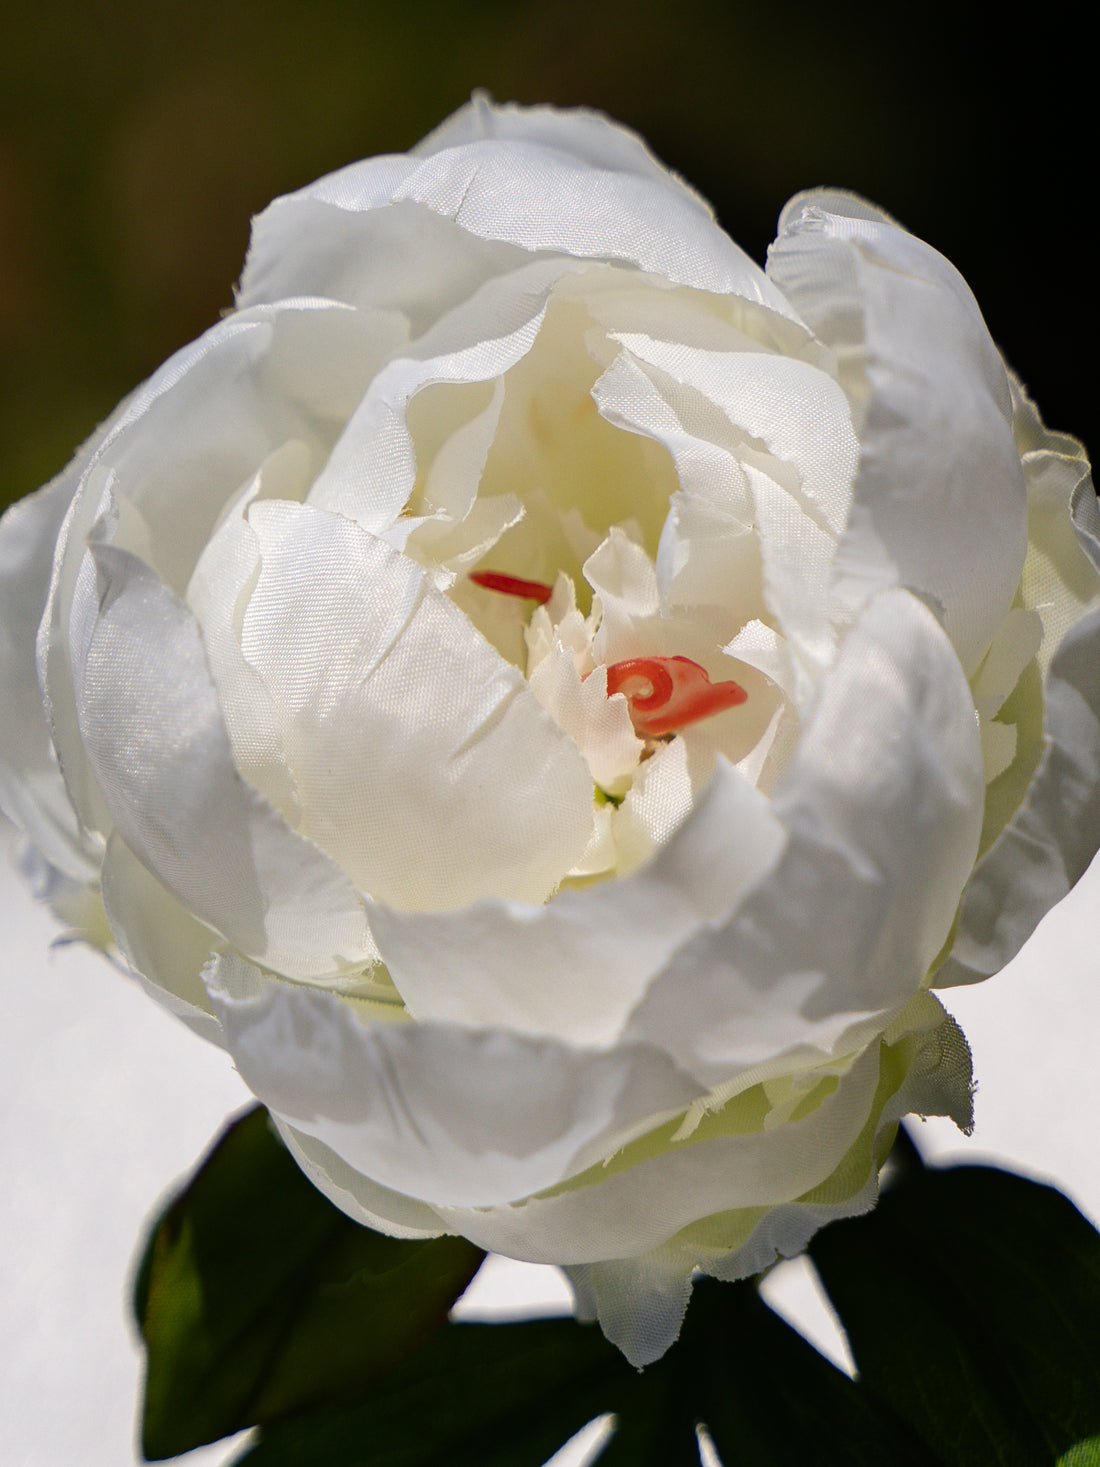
(574, 473)
(411, 743)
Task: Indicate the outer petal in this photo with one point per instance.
(640, 1301)
(157, 746)
(530, 179)
(177, 452)
(367, 1202)
(347, 239)
(733, 1162)
(931, 405)
(202, 425)
(1050, 841)
(1062, 571)
(463, 1117)
(531, 189)
(1043, 813)
(882, 804)
(586, 136)
(32, 791)
(164, 945)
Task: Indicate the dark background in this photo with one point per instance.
(136, 139)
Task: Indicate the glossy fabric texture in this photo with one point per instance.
(308, 702)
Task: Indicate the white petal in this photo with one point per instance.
(71, 573)
(467, 1117)
(709, 557)
(367, 1202)
(412, 743)
(883, 806)
(585, 135)
(177, 452)
(931, 407)
(200, 428)
(1048, 844)
(765, 451)
(633, 1205)
(1017, 640)
(455, 469)
(1041, 816)
(164, 945)
(795, 411)
(156, 742)
(372, 470)
(576, 967)
(797, 560)
(457, 526)
(998, 748)
(218, 595)
(32, 792)
(664, 792)
(640, 1301)
(568, 182)
(762, 647)
(540, 198)
(1060, 577)
(76, 903)
(599, 726)
(623, 577)
(344, 238)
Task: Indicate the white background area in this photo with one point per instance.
(105, 1101)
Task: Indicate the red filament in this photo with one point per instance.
(512, 586)
(668, 693)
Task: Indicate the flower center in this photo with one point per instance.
(664, 694)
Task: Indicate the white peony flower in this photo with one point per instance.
(554, 699)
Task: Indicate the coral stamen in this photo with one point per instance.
(513, 586)
(666, 694)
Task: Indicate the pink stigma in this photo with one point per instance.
(668, 693)
(513, 586)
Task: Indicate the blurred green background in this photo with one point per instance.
(136, 139)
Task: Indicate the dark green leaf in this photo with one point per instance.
(510, 1395)
(475, 1395)
(767, 1397)
(258, 1298)
(971, 1299)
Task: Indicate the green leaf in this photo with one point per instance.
(971, 1299)
(258, 1298)
(511, 1395)
(1083, 1454)
(475, 1395)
